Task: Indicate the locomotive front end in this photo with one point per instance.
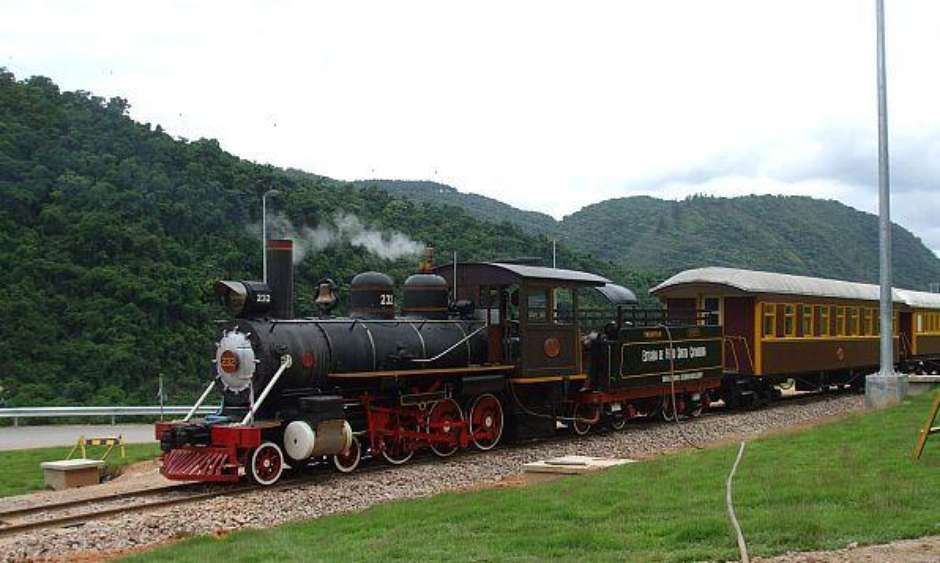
(270, 372)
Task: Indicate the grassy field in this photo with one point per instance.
(848, 481)
(21, 472)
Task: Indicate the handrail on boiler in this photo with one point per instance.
(451, 349)
(286, 361)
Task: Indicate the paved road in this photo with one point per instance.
(13, 438)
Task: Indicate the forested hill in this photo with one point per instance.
(798, 235)
(112, 234)
(481, 207)
(789, 234)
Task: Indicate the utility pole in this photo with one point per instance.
(264, 233)
(886, 387)
(554, 262)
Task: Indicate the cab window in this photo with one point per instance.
(564, 313)
(537, 305)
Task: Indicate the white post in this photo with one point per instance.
(554, 262)
(886, 387)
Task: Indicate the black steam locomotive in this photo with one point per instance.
(477, 351)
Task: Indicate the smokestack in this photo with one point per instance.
(281, 278)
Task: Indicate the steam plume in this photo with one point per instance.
(389, 245)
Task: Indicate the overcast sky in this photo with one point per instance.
(547, 106)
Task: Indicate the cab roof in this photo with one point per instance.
(482, 273)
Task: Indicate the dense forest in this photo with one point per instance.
(112, 234)
(790, 234)
(479, 206)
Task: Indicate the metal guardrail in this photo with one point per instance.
(16, 413)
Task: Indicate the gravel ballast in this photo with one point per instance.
(329, 493)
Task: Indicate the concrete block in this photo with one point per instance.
(71, 473)
(883, 391)
(918, 384)
(551, 469)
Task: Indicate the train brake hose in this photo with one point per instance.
(742, 545)
(672, 387)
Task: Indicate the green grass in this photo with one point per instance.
(849, 481)
(21, 473)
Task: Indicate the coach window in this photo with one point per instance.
(807, 321)
(770, 320)
(823, 320)
(920, 323)
(789, 320)
(866, 321)
(852, 321)
(894, 324)
(840, 321)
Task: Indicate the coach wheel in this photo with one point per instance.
(348, 461)
(582, 415)
(486, 422)
(445, 417)
(267, 464)
(696, 409)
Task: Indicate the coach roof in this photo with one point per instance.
(752, 281)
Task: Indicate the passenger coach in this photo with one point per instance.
(818, 332)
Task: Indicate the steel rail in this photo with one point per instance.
(16, 528)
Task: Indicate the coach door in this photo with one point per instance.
(550, 345)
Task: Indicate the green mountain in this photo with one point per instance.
(481, 207)
(788, 234)
(112, 234)
(797, 235)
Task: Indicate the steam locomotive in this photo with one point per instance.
(477, 352)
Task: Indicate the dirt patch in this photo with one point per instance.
(150, 467)
(921, 550)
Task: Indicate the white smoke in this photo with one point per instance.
(345, 227)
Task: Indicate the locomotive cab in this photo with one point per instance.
(531, 314)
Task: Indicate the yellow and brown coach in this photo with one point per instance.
(818, 332)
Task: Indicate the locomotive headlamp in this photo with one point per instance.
(233, 295)
(235, 361)
(242, 298)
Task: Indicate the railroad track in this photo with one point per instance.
(77, 512)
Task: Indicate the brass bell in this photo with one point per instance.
(326, 295)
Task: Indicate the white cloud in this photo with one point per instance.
(545, 105)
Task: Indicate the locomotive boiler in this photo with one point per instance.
(296, 386)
